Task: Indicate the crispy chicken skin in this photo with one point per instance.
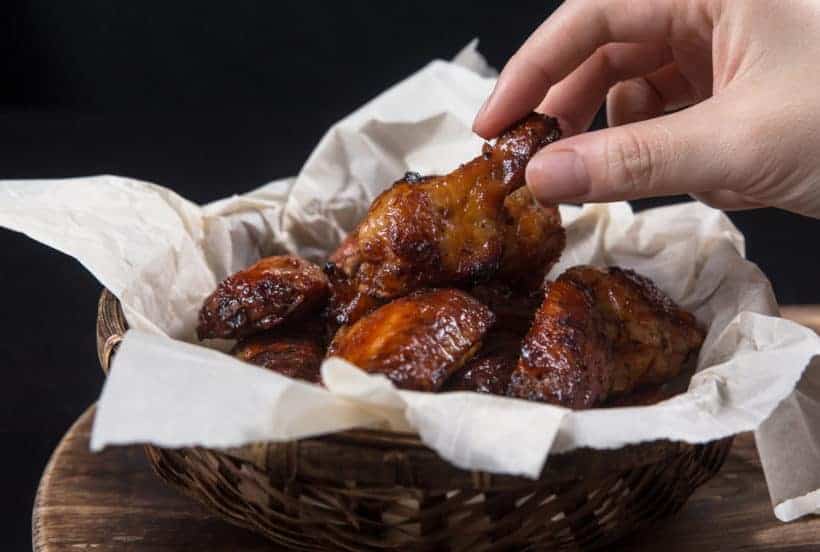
(296, 352)
(490, 369)
(564, 357)
(651, 336)
(601, 333)
(440, 230)
(417, 341)
(261, 297)
(533, 240)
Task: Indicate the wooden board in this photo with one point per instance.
(105, 501)
(112, 501)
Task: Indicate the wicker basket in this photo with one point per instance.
(379, 490)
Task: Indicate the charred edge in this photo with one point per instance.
(412, 177)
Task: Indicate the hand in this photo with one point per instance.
(748, 69)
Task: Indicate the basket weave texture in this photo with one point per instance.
(381, 490)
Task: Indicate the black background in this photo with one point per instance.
(207, 98)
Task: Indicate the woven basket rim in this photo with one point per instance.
(564, 466)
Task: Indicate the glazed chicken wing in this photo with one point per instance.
(564, 357)
(601, 333)
(439, 230)
(417, 341)
(263, 296)
(533, 240)
(651, 336)
(296, 351)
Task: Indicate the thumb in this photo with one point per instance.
(679, 153)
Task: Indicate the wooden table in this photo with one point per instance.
(112, 501)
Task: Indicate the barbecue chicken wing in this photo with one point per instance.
(601, 333)
(417, 341)
(651, 336)
(490, 369)
(533, 240)
(564, 357)
(438, 230)
(261, 297)
(295, 351)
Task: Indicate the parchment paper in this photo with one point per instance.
(162, 255)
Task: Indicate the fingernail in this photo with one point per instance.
(557, 175)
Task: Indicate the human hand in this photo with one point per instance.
(748, 70)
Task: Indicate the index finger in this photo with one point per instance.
(570, 36)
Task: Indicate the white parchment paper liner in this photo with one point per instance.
(161, 255)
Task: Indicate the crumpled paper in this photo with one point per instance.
(162, 255)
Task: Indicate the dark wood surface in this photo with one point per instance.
(113, 501)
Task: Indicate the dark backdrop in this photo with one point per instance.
(208, 98)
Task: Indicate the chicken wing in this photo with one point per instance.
(651, 336)
(440, 230)
(296, 352)
(417, 341)
(263, 296)
(490, 369)
(564, 357)
(533, 240)
(601, 333)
